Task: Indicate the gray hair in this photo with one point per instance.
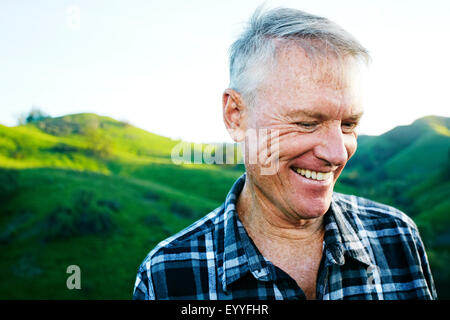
(254, 52)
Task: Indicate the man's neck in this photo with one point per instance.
(263, 219)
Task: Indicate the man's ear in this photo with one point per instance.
(234, 114)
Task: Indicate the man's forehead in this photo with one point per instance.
(301, 66)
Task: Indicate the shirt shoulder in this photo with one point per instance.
(375, 215)
(182, 242)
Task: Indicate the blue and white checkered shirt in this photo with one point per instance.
(371, 251)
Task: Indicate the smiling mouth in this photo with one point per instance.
(313, 175)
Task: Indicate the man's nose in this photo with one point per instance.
(332, 147)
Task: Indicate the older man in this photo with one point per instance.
(283, 233)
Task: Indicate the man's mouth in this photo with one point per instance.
(313, 175)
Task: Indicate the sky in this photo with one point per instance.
(163, 65)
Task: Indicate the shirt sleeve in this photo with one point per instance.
(424, 264)
(143, 287)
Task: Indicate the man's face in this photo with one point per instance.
(315, 111)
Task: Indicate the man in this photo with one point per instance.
(283, 233)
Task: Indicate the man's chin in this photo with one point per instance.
(312, 210)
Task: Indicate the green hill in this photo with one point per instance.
(389, 166)
(95, 192)
(103, 189)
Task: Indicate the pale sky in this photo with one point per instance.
(163, 65)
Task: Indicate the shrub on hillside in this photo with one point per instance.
(181, 210)
(94, 222)
(59, 127)
(12, 228)
(63, 148)
(60, 224)
(85, 218)
(152, 221)
(151, 196)
(34, 115)
(113, 205)
(8, 183)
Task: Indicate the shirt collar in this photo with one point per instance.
(344, 234)
(240, 254)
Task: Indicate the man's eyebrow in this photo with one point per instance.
(355, 116)
(319, 115)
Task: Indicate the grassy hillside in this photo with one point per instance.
(105, 224)
(94, 192)
(99, 193)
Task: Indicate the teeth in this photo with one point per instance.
(308, 174)
(314, 174)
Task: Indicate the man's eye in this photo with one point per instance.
(307, 126)
(348, 127)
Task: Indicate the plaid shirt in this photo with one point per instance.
(370, 251)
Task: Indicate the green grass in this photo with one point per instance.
(108, 259)
(73, 200)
